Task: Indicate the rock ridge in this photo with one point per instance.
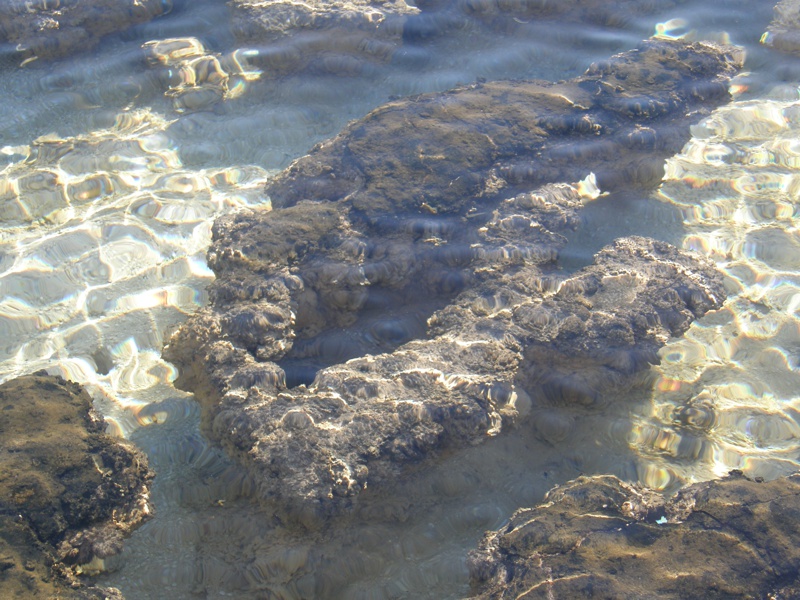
(403, 296)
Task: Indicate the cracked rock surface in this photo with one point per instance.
(403, 296)
(68, 492)
(597, 537)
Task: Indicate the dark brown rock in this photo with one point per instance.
(620, 120)
(68, 492)
(48, 29)
(597, 537)
(403, 296)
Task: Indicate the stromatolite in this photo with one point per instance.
(406, 280)
(68, 492)
(324, 36)
(598, 537)
(52, 28)
(784, 32)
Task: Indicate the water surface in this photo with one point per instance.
(108, 191)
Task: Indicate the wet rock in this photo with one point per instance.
(621, 119)
(403, 297)
(599, 537)
(68, 492)
(323, 37)
(784, 32)
(49, 29)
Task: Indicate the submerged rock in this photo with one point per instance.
(52, 28)
(196, 79)
(68, 492)
(601, 538)
(439, 16)
(322, 36)
(784, 32)
(403, 296)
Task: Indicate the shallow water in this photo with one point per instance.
(110, 184)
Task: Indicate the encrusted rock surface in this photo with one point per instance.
(324, 36)
(68, 492)
(597, 537)
(51, 28)
(421, 243)
(456, 150)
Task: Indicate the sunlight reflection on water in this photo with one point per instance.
(732, 382)
(104, 250)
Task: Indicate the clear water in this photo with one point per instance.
(108, 189)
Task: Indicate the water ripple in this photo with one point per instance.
(109, 234)
(729, 388)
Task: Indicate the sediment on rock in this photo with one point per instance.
(46, 30)
(68, 492)
(600, 537)
(403, 296)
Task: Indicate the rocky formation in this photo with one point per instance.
(68, 492)
(784, 32)
(601, 538)
(438, 153)
(51, 28)
(322, 36)
(403, 295)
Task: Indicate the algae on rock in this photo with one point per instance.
(68, 492)
(403, 296)
(601, 537)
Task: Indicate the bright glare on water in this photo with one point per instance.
(116, 162)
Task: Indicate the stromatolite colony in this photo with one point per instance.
(51, 28)
(599, 537)
(411, 262)
(68, 492)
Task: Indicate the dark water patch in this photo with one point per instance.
(388, 319)
(624, 213)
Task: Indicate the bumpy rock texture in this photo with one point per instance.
(51, 28)
(323, 36)
(68, 492)
(597, 537)
(421, 243)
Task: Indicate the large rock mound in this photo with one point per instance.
(403, 296)
(68, 492)
(597, 537)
